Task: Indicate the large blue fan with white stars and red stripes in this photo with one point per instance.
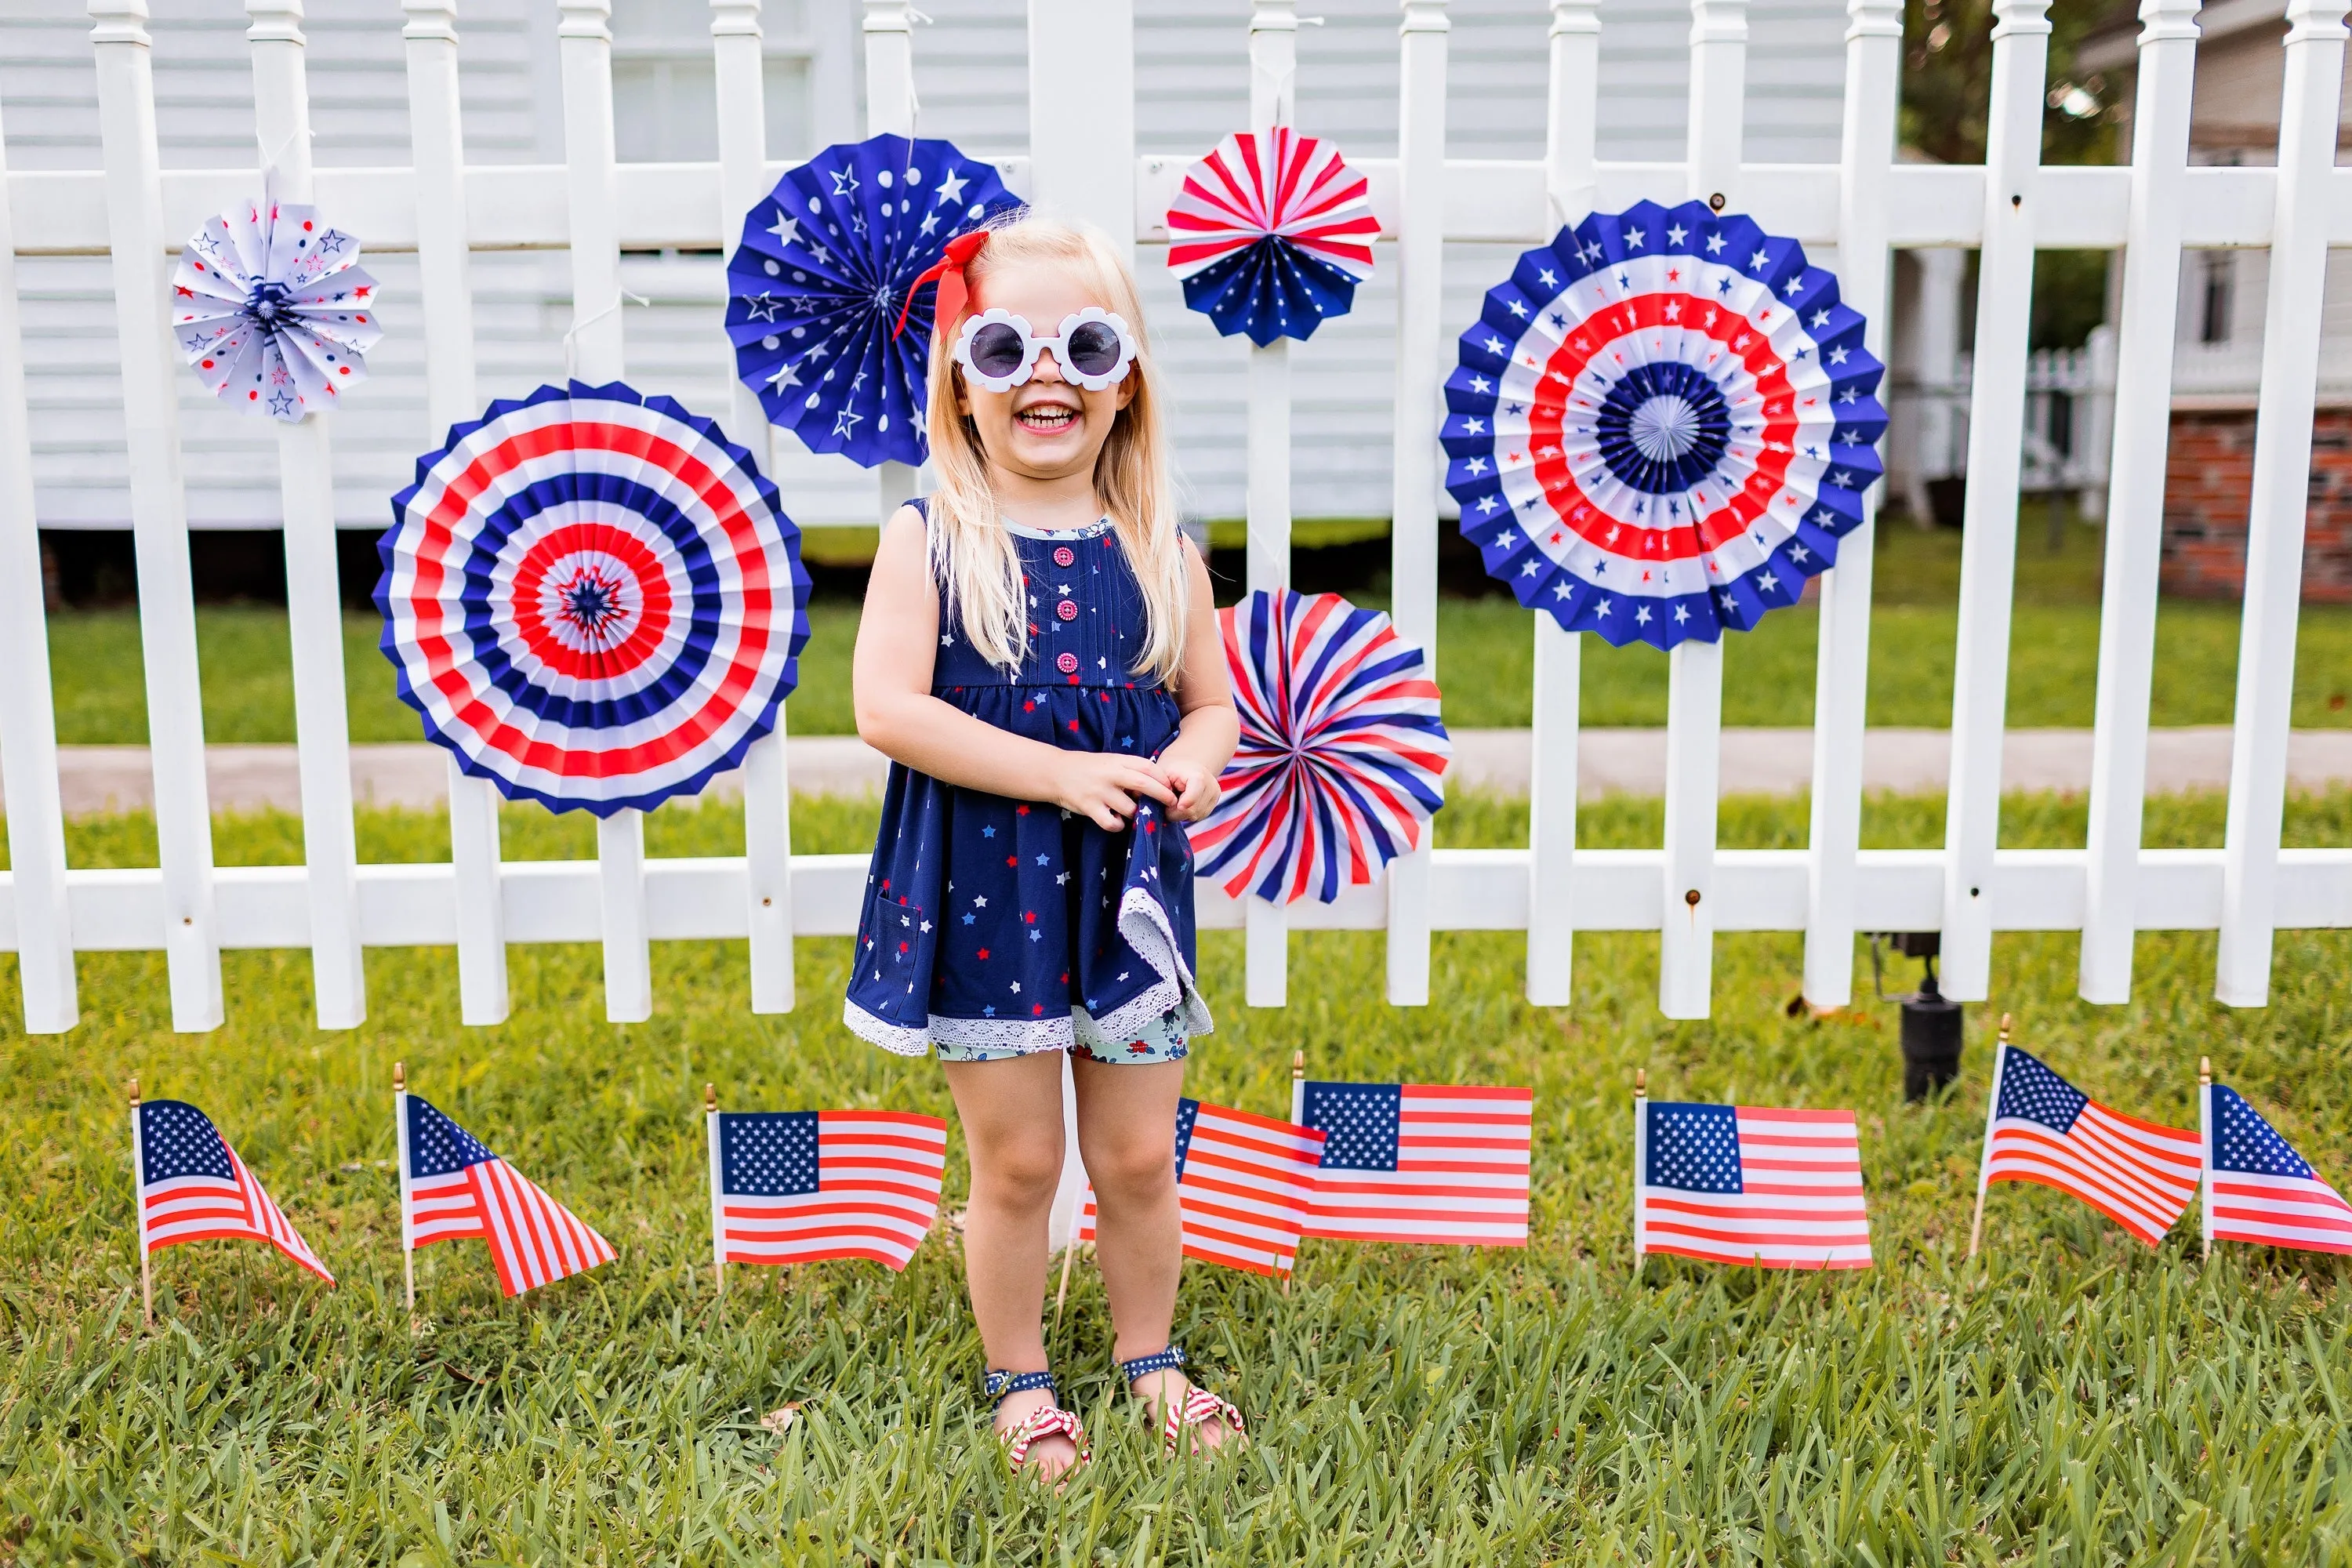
(1342, 757)
(816, 289)
(1662, 425)
(593, 598)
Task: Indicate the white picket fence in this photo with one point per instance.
(1084, 159)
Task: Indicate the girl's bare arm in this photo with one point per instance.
(1212, 729)
(896, 714)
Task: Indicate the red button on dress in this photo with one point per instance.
(1066, 610)
(1065, 556)
(1067, 664)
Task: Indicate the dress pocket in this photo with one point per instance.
(894, 960)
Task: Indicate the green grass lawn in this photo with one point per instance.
(1485, 660)
(2069, 1398)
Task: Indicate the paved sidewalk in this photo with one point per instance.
(1626, 761)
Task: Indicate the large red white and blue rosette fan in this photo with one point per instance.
(1662, 425)
(1271, 235)
(593, 598)
(272, 310)
(1342, 757)
(816, 288)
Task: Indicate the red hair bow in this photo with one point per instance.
(949, 271)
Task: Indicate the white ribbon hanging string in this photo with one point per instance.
(571, 345)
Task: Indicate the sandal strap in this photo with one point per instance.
(1142, 1366)
(1197, 1406)
(1001, 1384)
(1045, 1421)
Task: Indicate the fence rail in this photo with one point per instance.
(1084, 160)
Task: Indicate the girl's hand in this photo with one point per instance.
(1104, 786)
(1195, 786)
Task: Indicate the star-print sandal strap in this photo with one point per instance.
(1045, 1421)
(1001, 1385)
(1145, 1365)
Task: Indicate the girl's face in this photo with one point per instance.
(1047, 427)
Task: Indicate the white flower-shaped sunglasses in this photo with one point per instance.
(999, 350)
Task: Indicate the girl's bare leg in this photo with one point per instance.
(1012, 1114)
(1126, 1134)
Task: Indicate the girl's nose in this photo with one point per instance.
(1046, 362)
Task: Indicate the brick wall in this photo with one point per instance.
(2208, 484)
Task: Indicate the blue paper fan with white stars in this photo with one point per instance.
(1662, 424)
(818, 284)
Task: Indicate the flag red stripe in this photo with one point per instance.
(2130, 1220)
(1676, 1251)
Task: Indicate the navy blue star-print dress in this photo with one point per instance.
(994, 928)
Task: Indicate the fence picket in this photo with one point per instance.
(1274, 77)
(1571, 183)
(41, 914)
(741, 93)
(2012, 205)
(891, 109)
(584, 44)
(1874, 49)
(445, 312)
(2143, 427)
(1718, 50)
(159, 509)
(281, 100)
(2298, 285)
(1420, 341)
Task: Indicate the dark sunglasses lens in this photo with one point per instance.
(997, 350)
(1093, 348)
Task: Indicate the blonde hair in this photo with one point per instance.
(972, 555)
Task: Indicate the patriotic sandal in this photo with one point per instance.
(1197, 1407)
(1045, 1421)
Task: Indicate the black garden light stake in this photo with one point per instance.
(1931, 1022)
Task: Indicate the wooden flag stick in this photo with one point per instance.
(1062, 1295)
(1297, 1119)
(2205, 1155)
(1984, 1161)
(1641, 1159)
(139, 1208)
(408, 1224)
(718, 1215)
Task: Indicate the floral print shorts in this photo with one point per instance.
(1162, 1041)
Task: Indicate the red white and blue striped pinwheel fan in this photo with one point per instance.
(1270, 235)
(1662, 425)
(593, 598)
(1342, 756)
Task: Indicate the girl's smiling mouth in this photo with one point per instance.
(1046, 417)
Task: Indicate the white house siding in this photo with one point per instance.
(970, 80)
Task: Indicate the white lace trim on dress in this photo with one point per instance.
(1145, 926)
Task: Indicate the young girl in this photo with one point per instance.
(1040, 658)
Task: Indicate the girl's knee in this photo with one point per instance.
(1022, 1168)
(1131, 1162)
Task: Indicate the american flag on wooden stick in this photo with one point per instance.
(1245, 1184)
(192, 1188)
(1741, 1183)
(451, 1186)
(1420, 1163)
(2039, 1128)
(2258, 1189)
(793, 1186)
